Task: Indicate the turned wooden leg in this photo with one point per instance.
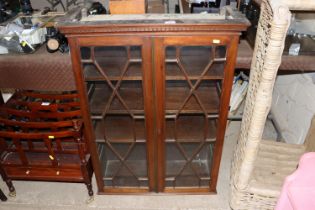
(88, 183)
(2, 196)
(90, 189)
(11, 187)
(8, 182)
(1, 98)
(87, 174)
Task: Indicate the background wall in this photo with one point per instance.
(293, 105)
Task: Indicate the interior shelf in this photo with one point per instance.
(193, 69)
(119, 129)
(113, 72)
(175, 96)
(128, 91)
(193, 61)
(122, 129)
(190, 128)
(177, 92)
(173, 72)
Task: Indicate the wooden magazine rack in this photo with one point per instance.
(41, 138)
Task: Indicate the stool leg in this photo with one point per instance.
(1, 98)
(8, 182)
(11, 188)
(87, 179)
(87, 172)
(90, 189)
(2, 196)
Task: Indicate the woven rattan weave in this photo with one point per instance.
(260, 166)
(248, 193)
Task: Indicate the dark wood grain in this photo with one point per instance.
(206, 101)
(41, 138)
(1, 98)
(224, 109)
(88, 134)
(119, 98)
(159, 71)
(174, 99)
(167, 98)
(119, 129)
(149, 110)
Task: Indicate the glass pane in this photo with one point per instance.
(114, 83)
(195, 59)
(195, 62)
(188, 164)
(204, 98)
(120, 128)
(124, 165)
(112, 62)
(194, 77)
(209, 92)
(191, 128)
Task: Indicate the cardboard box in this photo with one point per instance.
(156, 6)
(128, 6)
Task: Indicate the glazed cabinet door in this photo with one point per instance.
(194, 76)
(118, 90)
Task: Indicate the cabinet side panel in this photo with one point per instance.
(88, 129)
(224, 108)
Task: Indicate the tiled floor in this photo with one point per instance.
(64, 196)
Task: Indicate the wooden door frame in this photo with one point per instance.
(153, 53)
(231, 41)
(109, 40)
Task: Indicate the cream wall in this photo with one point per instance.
(293, 105)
